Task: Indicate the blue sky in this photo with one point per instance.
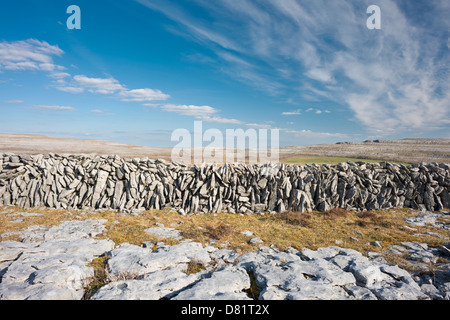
(139, 69)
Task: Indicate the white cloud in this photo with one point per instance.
(314, 134)
(99, 85)
(53, 108)
(29, 54)
(220, 120)
(320, 75)
(143, 95)
(15, 101)
(71, 89)
(259, 125)
(190, 110)
(204, 113)
(151, 105)
(47, 66)
(59, 75)
(292, 113)
(38, 55)
(317, 111)
(22, 65)
(101, 113)
(110, 86)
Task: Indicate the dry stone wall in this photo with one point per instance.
(81, 181)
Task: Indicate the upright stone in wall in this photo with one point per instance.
(102, 176)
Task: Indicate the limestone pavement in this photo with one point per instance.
(52, 263)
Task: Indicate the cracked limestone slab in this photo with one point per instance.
(152, 286)
(132, 261)
(52, 269)
(66, 230)
(164, 232)
(227, 283)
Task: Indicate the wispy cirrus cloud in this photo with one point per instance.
(319, 74)
(317, 111)
(221, 120)
(392, 80)
(101, 113)
(292, 113)
(316, 134)
(209, 114)
(52, 108)
(204, 113)
(15, 101)
(71, 89)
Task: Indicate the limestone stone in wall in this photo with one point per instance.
(71, 181)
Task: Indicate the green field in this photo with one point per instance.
(300, 160)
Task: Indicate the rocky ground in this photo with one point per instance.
(58, 263)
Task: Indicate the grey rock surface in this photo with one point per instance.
(226, 283)
(152, 286)
(51, 269)
(164, 232)
(329, 273)
(433, 219)
(131, 261)
(56, 267)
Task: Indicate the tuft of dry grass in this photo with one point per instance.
(295, 218)
(194, 267)
(220, 231)
(377, 219)
(334, 213)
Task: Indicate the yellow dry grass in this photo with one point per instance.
(290, 229)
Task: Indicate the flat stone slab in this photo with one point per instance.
(152, 286)
(66, 230)
(131, 261)
(227, 283)
(164, 232)
(76, 229)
